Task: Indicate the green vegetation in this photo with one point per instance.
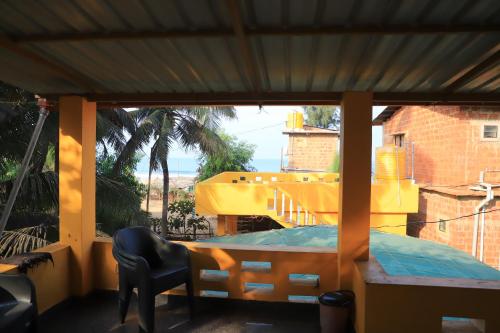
(120, 137)
(322, 116)
(192, 128)
(335, 166)
(34, 219)
(182, 215)
(125, 209)
(237, 158)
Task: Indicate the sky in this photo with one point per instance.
(263, 128)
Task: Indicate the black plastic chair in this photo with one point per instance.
(18, 309)
(153, 265)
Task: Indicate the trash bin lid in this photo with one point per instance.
(341, 298)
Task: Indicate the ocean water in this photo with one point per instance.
(188, 166)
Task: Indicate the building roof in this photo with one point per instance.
(308, 129)
(132, 52)
(398, 255)
(385, 115)
(389, 111)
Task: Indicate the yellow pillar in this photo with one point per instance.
(232, 224)
(77, 141)
(227, 225)
(221, 225)
(355, 183)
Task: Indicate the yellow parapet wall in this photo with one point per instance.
(292, 271)
(255, 193)
(51, 280)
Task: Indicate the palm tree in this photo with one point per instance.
(191, 127)
(34, 220)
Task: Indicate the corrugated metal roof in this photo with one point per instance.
(117, 47)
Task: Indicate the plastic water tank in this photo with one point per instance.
(390, 163)
(295, 120)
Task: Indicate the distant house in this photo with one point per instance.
(311, 148)
(452, 146)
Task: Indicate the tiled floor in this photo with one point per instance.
(98, 313)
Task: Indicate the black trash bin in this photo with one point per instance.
(335, 308)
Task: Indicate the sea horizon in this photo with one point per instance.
(187, 167)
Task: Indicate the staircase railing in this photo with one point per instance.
(298, 214)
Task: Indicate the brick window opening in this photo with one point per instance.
(490, 132)
(442, 225)
(399, 140)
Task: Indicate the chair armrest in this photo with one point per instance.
(19, 286)
(131, 262)
(173, 253)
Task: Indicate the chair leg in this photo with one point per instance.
(124, 295)
(146, 310)
(190, 295)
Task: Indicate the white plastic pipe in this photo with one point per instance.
(490, 196)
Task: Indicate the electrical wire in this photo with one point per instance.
(434, 222)
(259, 128)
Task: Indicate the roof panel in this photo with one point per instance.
(122, 45)
(118, 77)
(32, 77)
(101, 14)
(326, 62)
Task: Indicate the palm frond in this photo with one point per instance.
(22, 240)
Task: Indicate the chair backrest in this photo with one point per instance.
(138, 241)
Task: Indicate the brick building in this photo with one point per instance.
(451, 146)
(311, 148)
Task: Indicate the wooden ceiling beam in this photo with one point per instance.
(392, 29)
(60, 70)
(287, 98)
(244, 44)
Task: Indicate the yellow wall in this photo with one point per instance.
(220, 197)
(51, 281)
(390, 200)
(285, 260)
(417, 304)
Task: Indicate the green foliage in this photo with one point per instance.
(118, 197)
(190, 127)
(322, 116)
(237, 157)
(335, 166)
(182, 215)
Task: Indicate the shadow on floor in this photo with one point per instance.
(98, 313)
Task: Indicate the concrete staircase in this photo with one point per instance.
(289, 212)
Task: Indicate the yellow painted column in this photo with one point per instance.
(227, 225)
(232, 224)
(77, 141)
(355, 183)
(221, 225)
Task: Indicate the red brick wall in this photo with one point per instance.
(448, 148)
(311, 151)
(449, 151)
(434, 206)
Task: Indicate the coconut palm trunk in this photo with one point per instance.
(148, 191)
(166, 185)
